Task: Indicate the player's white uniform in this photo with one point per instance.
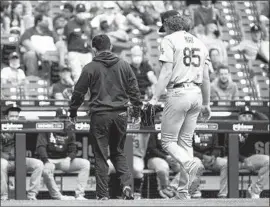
(189, 56)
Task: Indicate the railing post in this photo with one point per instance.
(20, 169)
(233, 162)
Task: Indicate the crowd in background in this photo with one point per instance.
(63, 39)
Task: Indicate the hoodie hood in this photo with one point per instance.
(108, 59)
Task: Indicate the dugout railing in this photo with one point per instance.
(232, 128)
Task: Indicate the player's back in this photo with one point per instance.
(140, 143)
(189, 57)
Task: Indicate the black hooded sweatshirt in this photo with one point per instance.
(112, 85)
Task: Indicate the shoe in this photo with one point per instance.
(32, 198)
(4, 198)
(167, 192)
(252, 194)
(222, 196)
(196, 194)
(137, 196)
(81, 198)
(181, 196)
(103, 198)
(65, 198)
(127, 193)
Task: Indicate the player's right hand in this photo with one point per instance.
(205, 112)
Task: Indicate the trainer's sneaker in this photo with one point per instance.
(222, 196)
(127, 193)
(32, 198)
(196, 194)
(65, 198)
(137, 196)
(252, 194)
(167, 192)
(81, 198)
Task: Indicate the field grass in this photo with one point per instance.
(143, 202)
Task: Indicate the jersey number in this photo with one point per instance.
(136, 143)
(190, 57)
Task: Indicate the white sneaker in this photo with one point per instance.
(81, 198)
(196, 194)
(137, 196)
(252, 194)
(4, 198)
(64, 198)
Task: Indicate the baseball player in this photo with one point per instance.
(140, 142)
(184, 72)
(58, 151)
(7, 145)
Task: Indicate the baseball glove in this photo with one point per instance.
(148, 114)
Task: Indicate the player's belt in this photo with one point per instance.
(182, 85)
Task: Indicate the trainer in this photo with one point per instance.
(112, 84)
(184, 73)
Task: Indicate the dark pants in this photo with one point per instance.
(108, 132)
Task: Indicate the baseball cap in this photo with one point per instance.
(80, 8)
(164, 16)
(13, 55)
(61, 113)
(246, 110)
(255, 28)
(12, 107)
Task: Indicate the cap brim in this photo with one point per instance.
(161, 29)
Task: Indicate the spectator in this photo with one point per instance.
(140, 142)
(13, 74)
(63, 88)
(39, 43)
(212, 40)
(223, 88)
(44, 8)
(216, 62)
(256, 48)
(5, 17)
(58, 151)
(143, 71)
(16, 20)
(119, 38)
(67, 11)
(78, 35)
(206, 14)
(161, 162)
(59, 23)
(35, 166)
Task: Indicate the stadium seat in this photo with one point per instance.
(36, 88)
(10, 91)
